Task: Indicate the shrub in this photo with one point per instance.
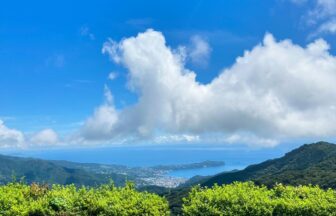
(249, 199)
(40, 200)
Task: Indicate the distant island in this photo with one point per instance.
(204, 164)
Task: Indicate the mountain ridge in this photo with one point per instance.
(308, 164)
(44, 171)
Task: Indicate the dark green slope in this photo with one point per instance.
(43, 171)
(309, 164)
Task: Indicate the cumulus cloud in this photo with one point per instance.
(13, 138)
(103, 122)
(276, 90)
(45, 137)
(10, 137)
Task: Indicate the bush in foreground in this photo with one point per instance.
(38, 200)
(248, 199)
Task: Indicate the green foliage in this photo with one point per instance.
(32, 170)
(309, 164)
(250, 199)
(40, 200)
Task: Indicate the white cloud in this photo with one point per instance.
(112, 76)
(176, 138)
(324, 10)
(250, 140)
(111, 47)
(199, 50)
(101, 124)
(322, 15)
(328, 27)
(10, 137)
(277, 90)
(103, 121)
(45, 137)
(108, 95)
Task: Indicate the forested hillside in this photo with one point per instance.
(34, 170)
(309, 164)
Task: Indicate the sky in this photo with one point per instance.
(253, 73)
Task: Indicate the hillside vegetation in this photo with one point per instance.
(237, 199)
(242, 199)
(309, 164)
(90, 174)
(38, 200)
(313, 164)
(43, 171)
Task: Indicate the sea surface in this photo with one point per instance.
(149, 156)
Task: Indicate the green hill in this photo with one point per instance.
(309, 164)
(43, 171)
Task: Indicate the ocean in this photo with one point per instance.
(150, 156)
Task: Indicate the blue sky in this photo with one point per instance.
(53, 71)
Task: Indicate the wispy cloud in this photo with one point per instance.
(112, 76)
(85, 32)
(199, 50)
(328, 27)
(321, 16)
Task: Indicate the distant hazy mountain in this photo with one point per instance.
(43, 171)
(308, 164)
